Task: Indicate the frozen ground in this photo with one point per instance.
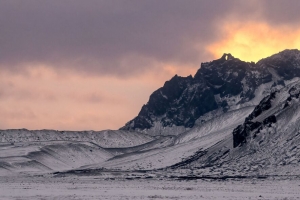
(95, 187)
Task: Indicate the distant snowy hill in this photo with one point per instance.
(106, 138)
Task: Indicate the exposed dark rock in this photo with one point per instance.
(270, 120)
(285, 63)
(241, 133)
(239, 136)
(265, 104)
(294, 94)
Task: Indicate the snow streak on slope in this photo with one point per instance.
(224, 122)
(161, 142)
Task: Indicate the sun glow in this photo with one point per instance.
(253, 41)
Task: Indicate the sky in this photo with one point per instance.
(91, 65)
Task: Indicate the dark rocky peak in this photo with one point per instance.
(232, 76)
(286, 64)
(212, 71)
(226, 61)
(161, 99)
(288, 54)
(174, 87)
(176, 103)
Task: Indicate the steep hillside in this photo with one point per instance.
(267, 143)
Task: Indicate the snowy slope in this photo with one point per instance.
(270, 148)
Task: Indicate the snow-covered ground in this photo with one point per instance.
(95, 187)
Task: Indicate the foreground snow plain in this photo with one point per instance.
(97, 187)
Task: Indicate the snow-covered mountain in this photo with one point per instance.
(221, 85)
(231, 118)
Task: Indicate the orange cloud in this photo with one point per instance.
(252, 41)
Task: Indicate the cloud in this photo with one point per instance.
(253, 41)
(124, 38)
(119, 38)
(278, 13)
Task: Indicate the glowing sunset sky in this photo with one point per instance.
(91, 65)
